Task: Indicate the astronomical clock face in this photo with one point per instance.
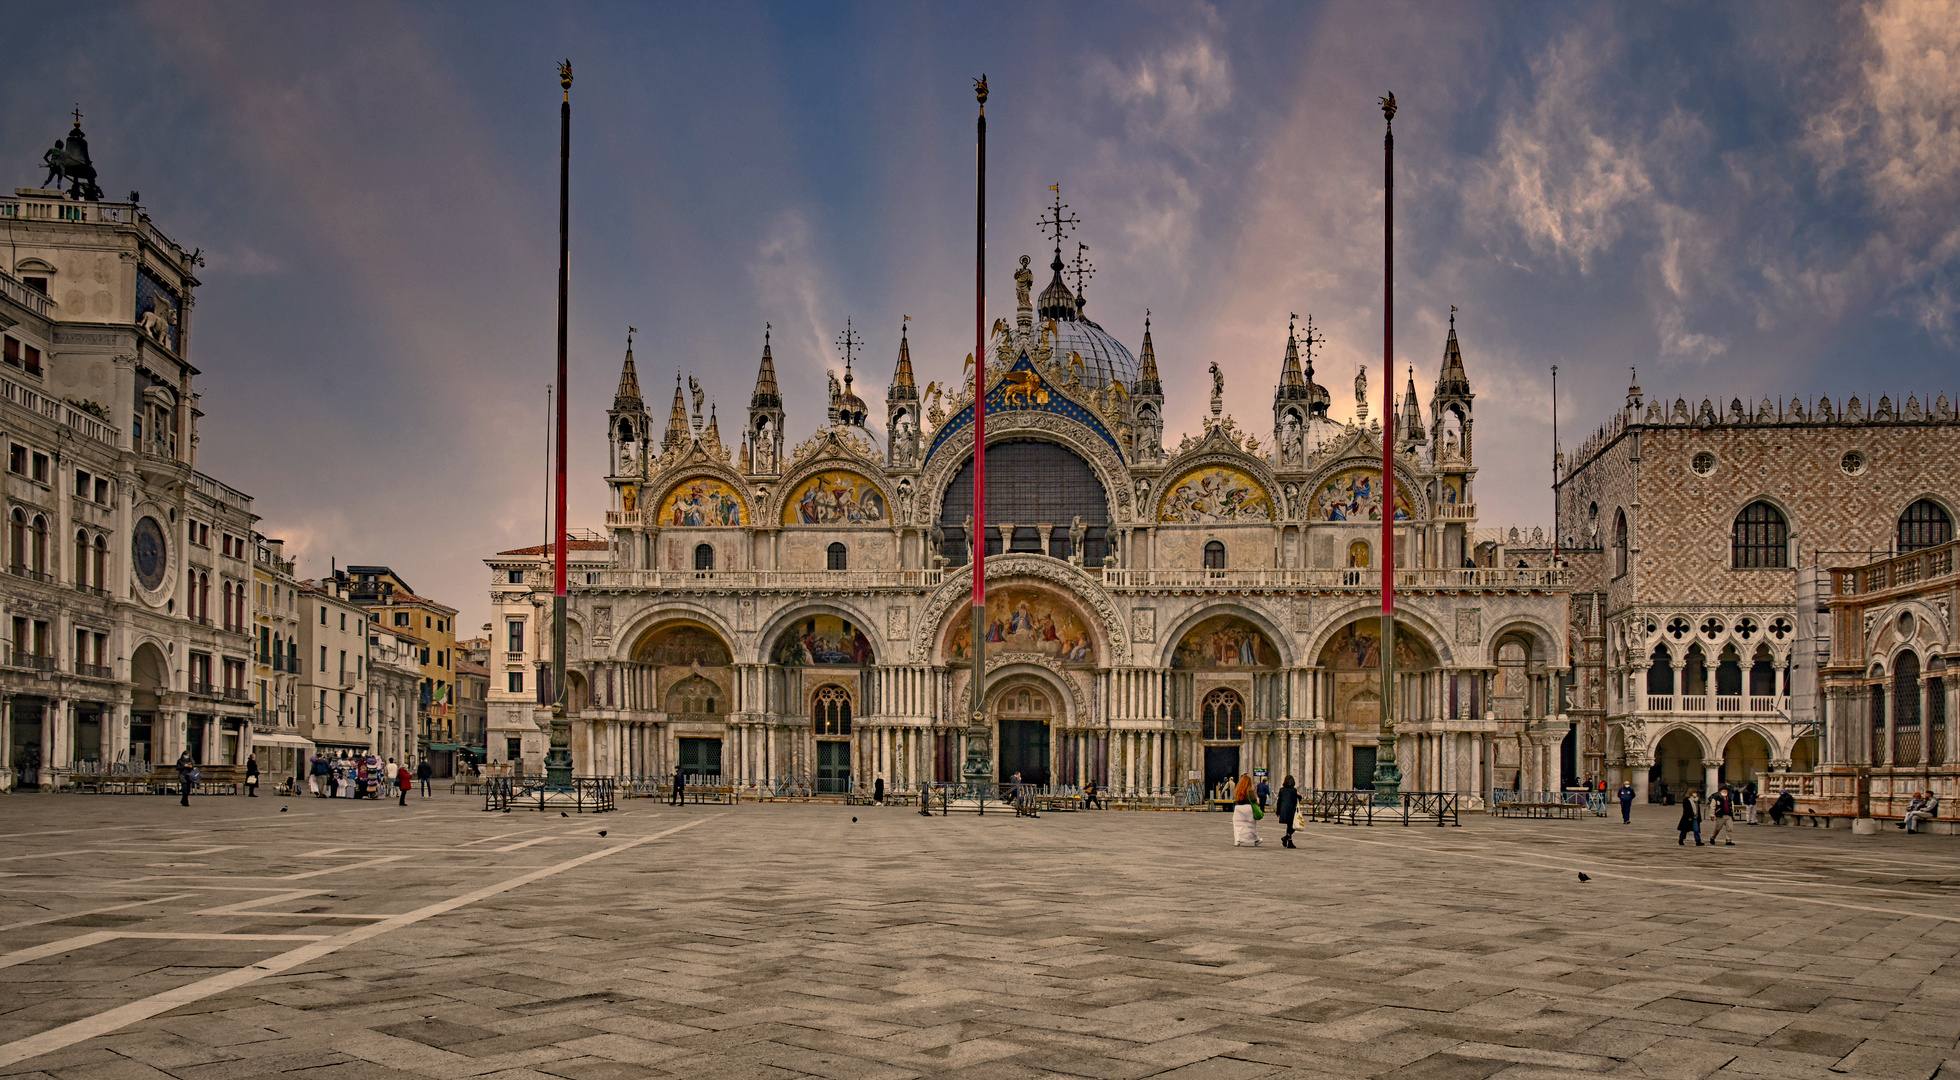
(150, 553)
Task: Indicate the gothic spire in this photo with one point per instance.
(678, 432)
(766, 395)
(628, 395)
(1292, 384)
(1412, 412)
(1453, 380)
(1147, 380)
(902, 385)
(713, 437)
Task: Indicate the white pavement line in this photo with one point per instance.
(378, 861)
(102, 1023)
(92, 911)
(1594, 871)
(83, 941)
(238, 907)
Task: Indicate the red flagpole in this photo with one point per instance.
(1388, 778)
(978, 538)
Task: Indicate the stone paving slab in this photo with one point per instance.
(786, 941)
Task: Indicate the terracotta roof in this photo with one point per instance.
(575, 545)
(471, 667)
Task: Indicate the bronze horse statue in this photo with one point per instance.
(70, 162)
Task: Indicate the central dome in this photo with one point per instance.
(1103, 357)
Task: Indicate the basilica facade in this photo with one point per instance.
(1159, 617)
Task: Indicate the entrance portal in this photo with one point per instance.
(1364, 768)
(834, 766)
(1025, 713)
(701, 757)
(1221, 766)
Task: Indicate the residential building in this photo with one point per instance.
(383, 592)
(516, 727)
(333, 684)
(395, 690)
(125, 604)
(277, 743)
(472, 699)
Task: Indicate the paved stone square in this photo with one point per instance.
(246, 938)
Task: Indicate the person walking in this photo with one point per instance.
(1724, 807)
(251, 778)
(424, 772)
(402, 782)
(1245, 827)
(1750, 793)
(1089, 796)
(321, 771)
(187, 776)
(1690, 818)
(878, 791)
(1265, 792)
(680, 787)
(1287, 807)
(1626, 803)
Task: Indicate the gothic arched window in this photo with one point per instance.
(81, 560)
(1619, 543)
(1760, 538)
(1224, 714)
(40, 539)
(1214, 555)
(1905, 708)
(830, 711)
(17, 541)
(836, 557)
(101, 562)
(1924, 524)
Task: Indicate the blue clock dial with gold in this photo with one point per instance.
(151, 553)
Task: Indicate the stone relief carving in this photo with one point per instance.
(1143, 625)
(1469, 626)
(601, 624)
(745, 615)
(898, 623)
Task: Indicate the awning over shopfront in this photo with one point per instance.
(281, 739)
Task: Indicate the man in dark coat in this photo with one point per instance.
(680, 787)
(1626, 803)
(186, 776)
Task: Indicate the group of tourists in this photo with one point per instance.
(1729, 802)
(1924, 807)
(364, 776)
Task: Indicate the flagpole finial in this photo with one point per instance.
(980, 91)
(1388, 107)
(565, 77)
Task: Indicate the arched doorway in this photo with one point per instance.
(151, 675)
(697, 701)
(1026, 714)
(1221, 726)
(1350, 664)
(1745, 758)
(1677, 767)
(830, 721)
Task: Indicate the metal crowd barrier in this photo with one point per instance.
(1361, 807)
(585, 794)
(1594, 801)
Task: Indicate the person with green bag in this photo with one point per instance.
(1245, 813)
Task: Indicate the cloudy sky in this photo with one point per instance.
(1738, 200)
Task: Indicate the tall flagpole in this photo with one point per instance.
(1388, 778)
(558, 759)
(976, 736)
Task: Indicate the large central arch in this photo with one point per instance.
(1046, 484)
